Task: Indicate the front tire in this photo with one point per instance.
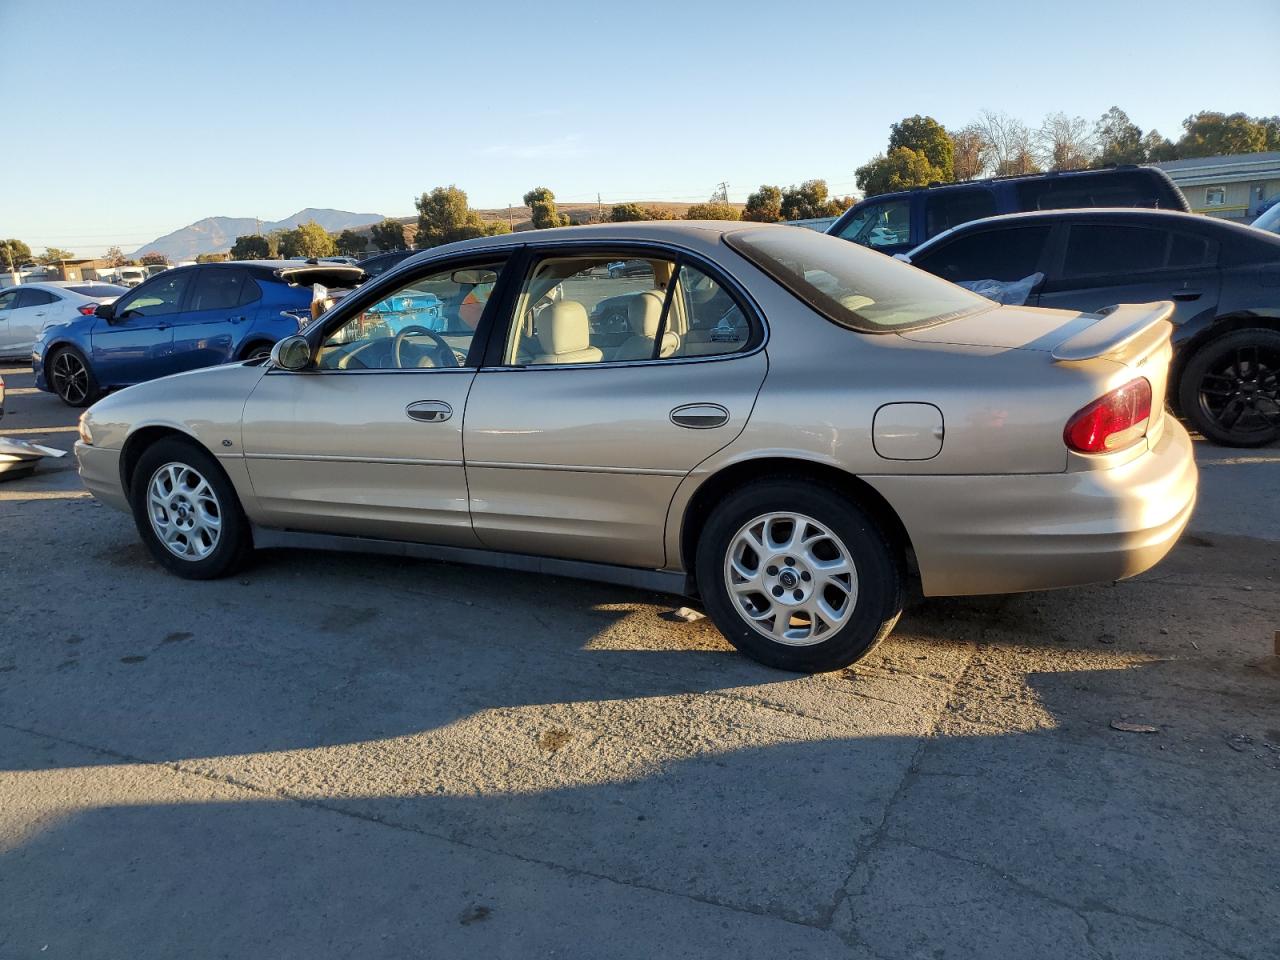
(797, 576)
(71, 378)
(187, 512)
(1230, 388)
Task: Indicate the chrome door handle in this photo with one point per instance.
(429, 411)
(700, 416)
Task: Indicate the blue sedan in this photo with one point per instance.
(179, 320)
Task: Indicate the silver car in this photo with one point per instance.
(788, 427)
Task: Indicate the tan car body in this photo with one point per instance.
(952, 434)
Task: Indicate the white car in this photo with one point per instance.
(26, 310)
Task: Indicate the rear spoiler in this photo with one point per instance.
(1119, 327)
(329, 274)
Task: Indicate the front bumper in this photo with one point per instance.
(1007, 534)
(100, 473)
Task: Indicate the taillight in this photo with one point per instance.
(1111, 422)
(88, 309)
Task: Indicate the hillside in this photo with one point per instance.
(217, 234)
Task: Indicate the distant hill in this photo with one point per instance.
(217, 234)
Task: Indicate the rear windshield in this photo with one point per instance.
(98, 290)
(855, 288)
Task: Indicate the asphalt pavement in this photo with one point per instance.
(330, 755)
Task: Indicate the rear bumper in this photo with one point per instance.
(1007, 534)
(100, 473)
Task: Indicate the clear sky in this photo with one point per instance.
(126, 121)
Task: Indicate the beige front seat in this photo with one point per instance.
(644, 312)
(564, 334)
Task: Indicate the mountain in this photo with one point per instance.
(217, 234)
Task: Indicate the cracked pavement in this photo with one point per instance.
(339, 754)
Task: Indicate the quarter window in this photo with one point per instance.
(426, 323)
(598, 308)
(950, 208)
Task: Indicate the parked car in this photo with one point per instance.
(858, 411)
(184, 318)
(1270, 219)
(130, 276)
(1223, 279)
(380, 263)
(628, 268)
(27, 310)
(897, 222)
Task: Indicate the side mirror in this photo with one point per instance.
(291, 353)
(105, 311)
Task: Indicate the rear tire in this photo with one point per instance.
(69, 375)
(259, 349)
(1230, 388)
(797, 576)
(187, 511)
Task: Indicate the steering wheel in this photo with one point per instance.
(442, 348)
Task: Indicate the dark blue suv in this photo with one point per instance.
(181, 319)
(899, 222)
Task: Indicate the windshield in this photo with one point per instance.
(855, 288)
(1270, 220)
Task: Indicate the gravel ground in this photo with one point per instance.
(340, 754)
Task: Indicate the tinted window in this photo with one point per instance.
(96, 290)
(1010, 254)
(217, 289)
(35, 298)
(874, 294)
(250, 291)
(880, 224)
(1099, 248)
(950, 208)
(1128, 188)
(160, 297)
(1188, 251)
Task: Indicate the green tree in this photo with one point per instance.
(444, 216)
(1210, 134)
(307, 240)
(388, 235)
(902, 169)
(542, 203)
(252, 246)
(154, 259)
(810, 199)
(765, 205)
(212, 258)
(927, 137)
(14, 253)
(52, 255)
(714, 210)
(1158, 149)
(1271, 125)
(627, 212)
(1119, 139)
(352, 244)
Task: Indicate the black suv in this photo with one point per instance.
(897, 222)
(1223, 279)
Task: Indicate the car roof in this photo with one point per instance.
(694, 232)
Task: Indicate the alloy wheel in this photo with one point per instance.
(70, 378)
(790, 578)
(184, 511)
(1241, 392)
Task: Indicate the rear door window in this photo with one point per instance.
(35, 298)
(217, 289)
(883, 224)
(1097, 249)
(950, 208)
(1008, 254)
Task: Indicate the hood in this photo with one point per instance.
(1008, 328)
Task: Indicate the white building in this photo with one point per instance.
(1234, 187)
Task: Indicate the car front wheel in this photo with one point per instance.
(797, 576)
(187, 512)
(71, 378)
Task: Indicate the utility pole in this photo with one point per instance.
(722, 192)
(599, 210)
(511, 224)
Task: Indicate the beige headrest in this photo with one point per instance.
(645, 311)
(563, 327)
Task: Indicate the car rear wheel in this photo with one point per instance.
(71, 378)
(1230, 389)
(187, 512)
(797, 576)
(257, 351)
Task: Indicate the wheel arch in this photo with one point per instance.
(138, 442)
(1220, 327)
(734, 475)
(251, 342)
